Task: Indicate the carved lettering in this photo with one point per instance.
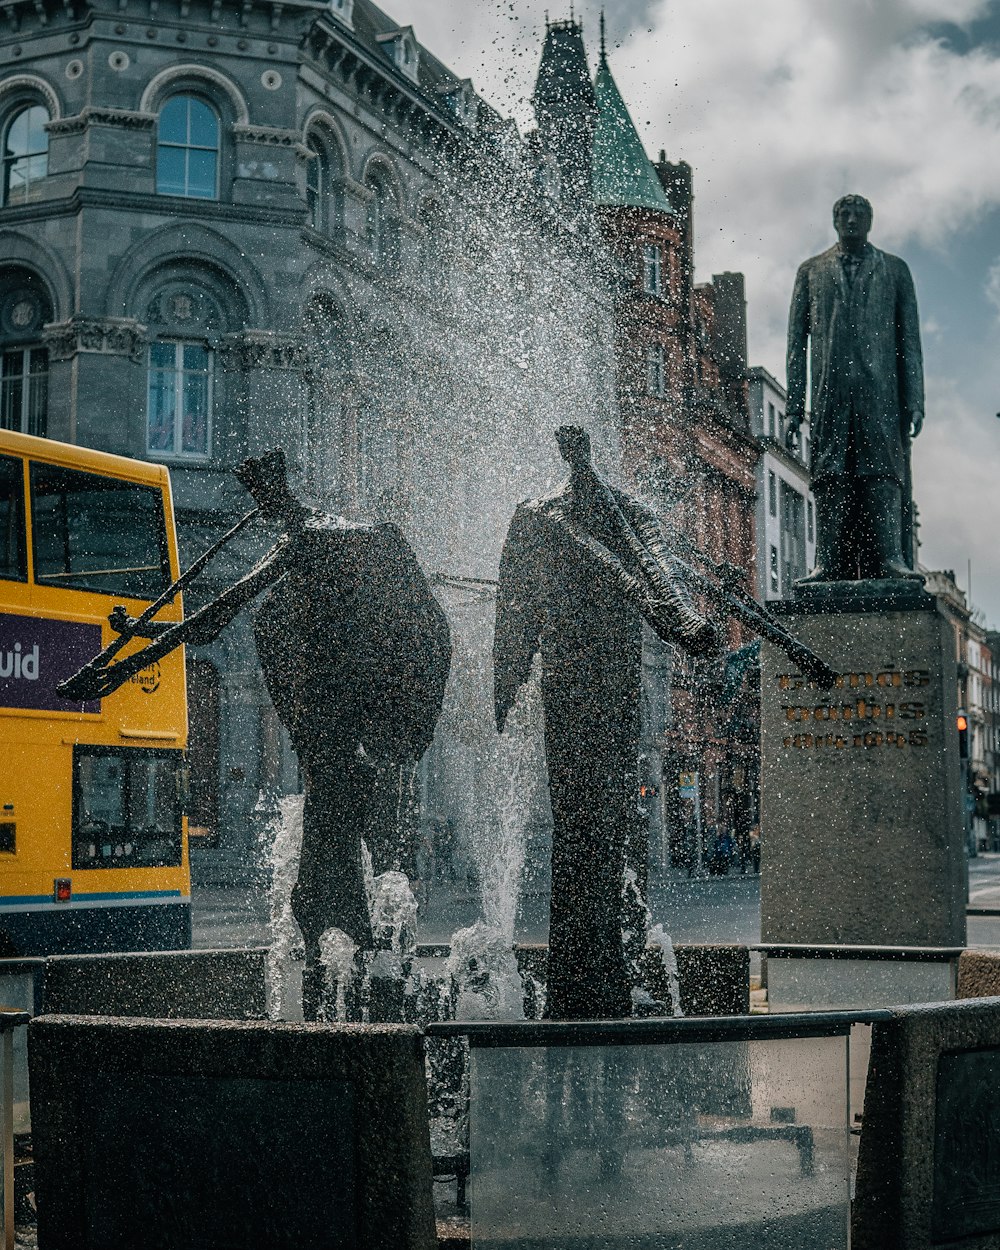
(889, 677)
(870, 738)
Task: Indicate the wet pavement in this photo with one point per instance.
(716, 909)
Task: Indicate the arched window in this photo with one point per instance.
(25, 308)
(179, 405)
(383, 224)
(317, 180)
(187, 149)
(324, 173)
(25, 153)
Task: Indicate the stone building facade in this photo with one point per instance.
(226, 226)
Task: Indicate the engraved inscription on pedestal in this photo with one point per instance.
(861, 831)
(967, 1146)
(864, 710)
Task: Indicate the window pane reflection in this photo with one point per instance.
(187, 149)
(25, 154)
(179, 400)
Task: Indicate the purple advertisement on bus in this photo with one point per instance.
(36, 654)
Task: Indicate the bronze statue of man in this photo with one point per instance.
(580, 571)
(854, 314)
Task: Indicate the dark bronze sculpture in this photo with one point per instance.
(580, 571)
(355, 652)
(854, 312)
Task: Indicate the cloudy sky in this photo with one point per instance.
(781, 106)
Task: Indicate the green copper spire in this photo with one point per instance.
(623, 173)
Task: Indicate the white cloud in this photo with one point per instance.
(954, 476)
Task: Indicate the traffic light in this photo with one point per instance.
(963, 736)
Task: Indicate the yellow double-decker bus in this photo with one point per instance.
(93, 836)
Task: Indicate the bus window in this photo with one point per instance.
(126, 808)
(13, 558)
(97, 533)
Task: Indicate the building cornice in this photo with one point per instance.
(263, 349)
(271, 136)
(47, 13)
(377, 80)
(773, 447)
(108, 336)
(125, 119)
(208, 211)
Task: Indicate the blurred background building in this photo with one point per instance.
(786, 510)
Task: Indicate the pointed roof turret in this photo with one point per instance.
(565, 110)
(623, 173)
(563, 83)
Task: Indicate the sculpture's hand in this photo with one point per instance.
(119, 619)
(792, 433)
(916, 423)
(693, 632)
(706, 641)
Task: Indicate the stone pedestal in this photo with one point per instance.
(861, 818)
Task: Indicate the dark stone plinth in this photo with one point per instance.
(714, 979)
(928, 1169)
(861, 820)
(216, 1134)
(189, 985)
(873, 595)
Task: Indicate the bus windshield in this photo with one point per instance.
(97, 533)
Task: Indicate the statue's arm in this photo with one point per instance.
(520, 608)
(798, 345)
(909, 354)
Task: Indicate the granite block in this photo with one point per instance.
(978, 974)
(224, 1134)
(928, 1166)
(190, 985)
(861, 819)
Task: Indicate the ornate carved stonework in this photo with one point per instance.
(24, 310)
(275, 136)
(261, 349)
(79, 122)
(183, 306)
(113, 336)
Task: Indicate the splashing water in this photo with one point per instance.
(338, 956)
(639, 934)
(485, 976)
(514, 786)
(660, 940)
(394, 914)
(284, 856)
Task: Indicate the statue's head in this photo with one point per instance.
(852, 218)
(574, 445)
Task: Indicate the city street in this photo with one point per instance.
(718, 909)
(984, 899)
